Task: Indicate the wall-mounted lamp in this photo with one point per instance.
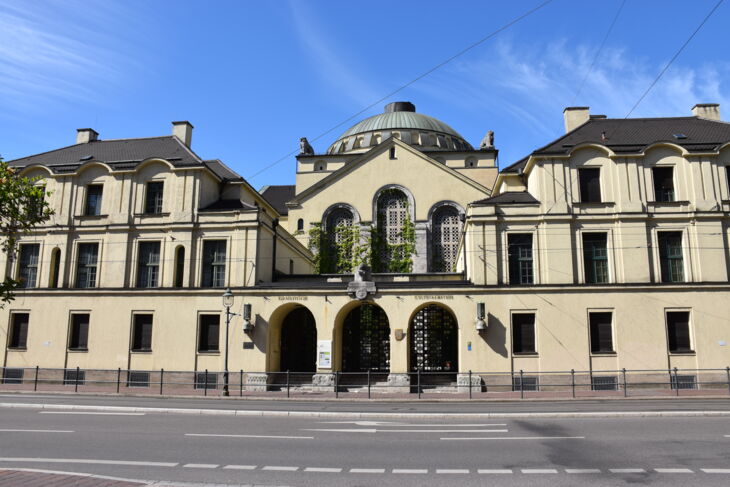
(247, 324)
(481, 315)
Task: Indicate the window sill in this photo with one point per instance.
(78, 350)
(91, 217)
(687, 352)
(594, 204)
(209, 352)
(604, 354)
(526, 354)
(668, 203)
(17, 349)
(142, 351)
(151, 215)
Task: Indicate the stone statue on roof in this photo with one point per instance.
(305, 148)
(488, 141)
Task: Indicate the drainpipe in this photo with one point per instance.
(274, 226)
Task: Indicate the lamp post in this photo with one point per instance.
(227, 303)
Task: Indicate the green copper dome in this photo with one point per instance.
(399, 120)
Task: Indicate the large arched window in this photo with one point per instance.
(445, 233)
(392, 210)
(338, 241)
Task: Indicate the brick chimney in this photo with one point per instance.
(183, 130)
(710, 111)
(86, 135)
(575, 117)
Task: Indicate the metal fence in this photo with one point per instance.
(520, 384)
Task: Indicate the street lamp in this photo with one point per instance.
(228, 304)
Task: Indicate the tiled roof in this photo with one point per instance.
(508, 197)
(222, 171)
(632, 135)
(277, 196)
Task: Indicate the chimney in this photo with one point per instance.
(710, 111)
(86, 135)
(575, 117)
(184, 131)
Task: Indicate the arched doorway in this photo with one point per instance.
(434, 344)
(299, 342)
(366, 340)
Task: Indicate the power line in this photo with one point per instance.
(414, 80)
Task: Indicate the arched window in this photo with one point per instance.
(392, 209)
(445, 233)
(338, 236)
(300, 225)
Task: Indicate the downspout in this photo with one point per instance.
(274, 226)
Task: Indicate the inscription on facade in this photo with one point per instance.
(293, 298)
(432, 298)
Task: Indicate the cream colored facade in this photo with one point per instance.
(540, 197)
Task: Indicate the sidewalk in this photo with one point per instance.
(36, 478)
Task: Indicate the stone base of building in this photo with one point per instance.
(463, 383)
(399, 383)
(323, 382)
(257, 382)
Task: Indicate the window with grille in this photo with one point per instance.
(148, 264)
(86, 266)
(138, 379)
(601, 332)
(670, 256)
(338, 229)
(663, 183)
(94, 193)
(73, 376)
(28, 265)
(523, 333)
(684, 382)
(445, 234)
(142, 333)
(590, 185)
(392, 215)
(604, 383)
(79, 334)
(525, 383)
(206, 380)
(153, 197)
(519, 255)
(595, 257)
(13, 376)
(209, 333)
(214, 263)
(19, 330)
(678, 333)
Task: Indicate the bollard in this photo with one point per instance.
(469, 383)
(119, 377)
(572, 381)
(626, 390)
(287, 382)
(522, 385)
(162, 375)
(35, 381)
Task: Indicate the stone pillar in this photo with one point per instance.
(398, 383)
(420, 260)
(323, 382)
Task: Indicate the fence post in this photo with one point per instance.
(572, 381)
(287, 382)
(727, 371)
(626, 391)
(522, 384)
(162, 376)
(337, 384)
(676, 381)
(368, 383)
(418, 382)
(205, 386)
(76, 382)
(670, 380)
(119, 377)
(240, 387)
(35, 381)
(469, 383)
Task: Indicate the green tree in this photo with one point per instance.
(22, 206)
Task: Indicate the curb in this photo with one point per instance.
(363, 415)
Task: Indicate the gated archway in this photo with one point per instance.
(299, 341)
(434, 340)
(366, 340)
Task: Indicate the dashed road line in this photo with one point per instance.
(90, 461)
(452, 470)
(716, 470)
(410, 470)
(35, 431)
(367, 470)
(323, 469)
(627, 470)
(91, 413)
(484, 438)
(280, 468)
(494, 470)
(240, 467)
(200, 465)
(582, 470)
(211, 435)
(673, 470)
(539, 470)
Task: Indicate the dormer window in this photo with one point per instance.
(153, 198)
(94, 193)
(590, 185)
(663, 183)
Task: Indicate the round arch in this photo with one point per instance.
(433, 339)
(274, 333)
(363, 337)
(409, 197)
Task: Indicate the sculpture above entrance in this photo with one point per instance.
(362, 285)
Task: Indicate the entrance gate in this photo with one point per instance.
(366, 340)
(299, 342)
(434, 340)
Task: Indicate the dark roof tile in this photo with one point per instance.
(509, 198)
(277, 196)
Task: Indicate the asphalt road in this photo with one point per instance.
(403, 452)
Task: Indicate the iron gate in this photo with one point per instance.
(366, 340)
(434, 340)
(299, 342)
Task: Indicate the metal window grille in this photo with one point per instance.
(148, 267)
(604, 383)
(392, 214)
(70, 377)
(525, 383)
(595, 257)
(434, 340)
(519, 254)
(684, 382)
(446, 231)
(28, 271)
(13, 376)
(366, 340)
(214, 263)
(153, 201)
(93, 199)
(201, 377)
(87, 265)
(138, 379)
(670, 255)
(337, 227)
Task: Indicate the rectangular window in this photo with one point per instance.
(93, 199)
(148, 264)
(153, 198)
(524, 383)
(142, 333)
(604, 383)
(138, 379)
(595, 257)
(523, 333)
(12, 376)
(678, 331)
(601, 333)
(519, 254)
(670, 256)
(206, 380)
(590, 185)
(86, 266)
(208, 333)
(78, 338)
(214, 263)
(663, 183)
(73, 376)
(28, 265)
(18, 330)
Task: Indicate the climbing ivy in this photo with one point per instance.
(399, 256)
(339, 250)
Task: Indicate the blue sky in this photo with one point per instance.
(254, 76)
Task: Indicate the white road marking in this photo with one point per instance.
(367, 470)
(240, 467)
(539, 470)
(416, 425)
(280, 468)
(410, 470)
(673, 470)
(716, 470)
(452, 470)
(516, 438)
(323, 469)
(494, 470)
(251, 436)
(200, 465)
(91, 413)
(627, 470)
(582, 470)
(373, 430)
(84, 460)
(36, 431)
